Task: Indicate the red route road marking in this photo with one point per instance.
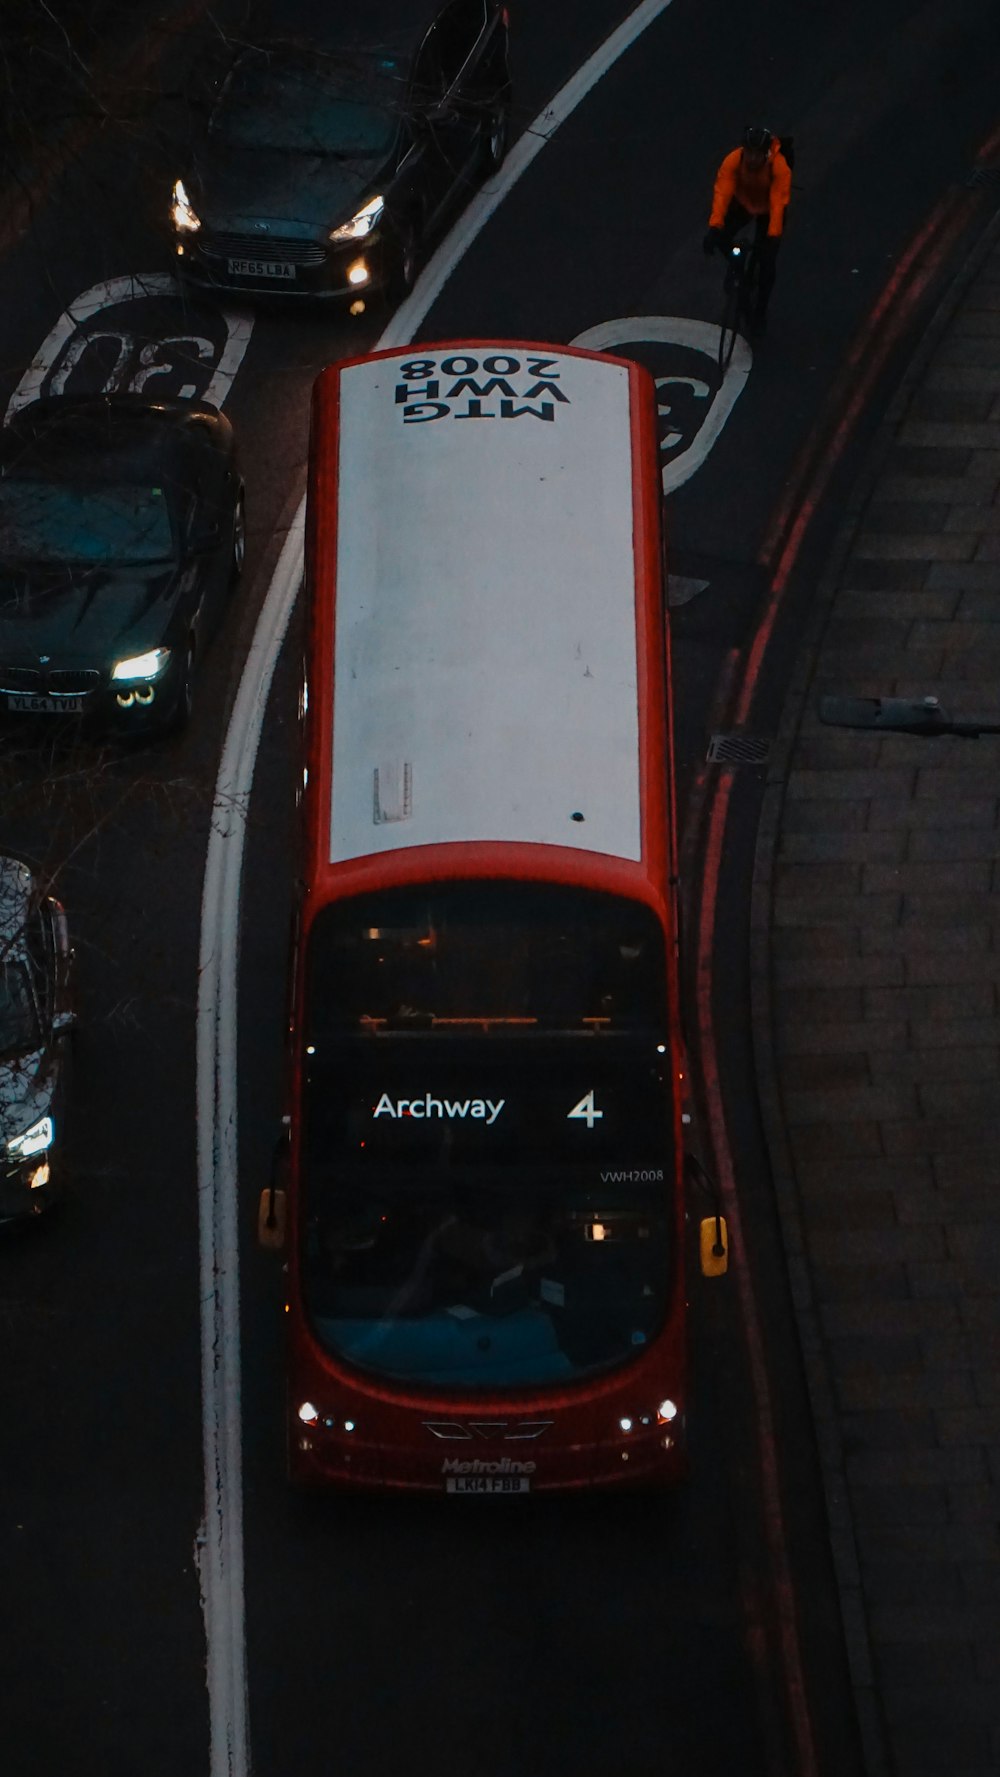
(774, 1523)
(881, 335)
(887, 321)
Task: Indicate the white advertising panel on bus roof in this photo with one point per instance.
(485, 654)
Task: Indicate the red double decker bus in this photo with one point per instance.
(485, 1209)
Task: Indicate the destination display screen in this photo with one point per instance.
(451, 1103)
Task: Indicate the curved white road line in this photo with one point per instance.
(239, 326)
(219, 1544)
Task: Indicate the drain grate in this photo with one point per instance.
(984, 176)
(738, 749)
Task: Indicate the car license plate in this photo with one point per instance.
(48, 706)
(487, 1484)
(260, 268)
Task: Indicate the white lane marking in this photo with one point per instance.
(219, 1543)
(239, 326)
(134, 287)
(220, 1552)
(698, 336)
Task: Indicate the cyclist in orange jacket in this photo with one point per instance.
(754, 183)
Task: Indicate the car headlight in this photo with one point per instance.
(362, 223)
(34, 1140)
(142, 666)
(182, 215)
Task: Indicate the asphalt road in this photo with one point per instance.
(581, 1635)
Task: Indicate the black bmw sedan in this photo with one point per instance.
(36, 1017)
(328, 159)
(122, 531)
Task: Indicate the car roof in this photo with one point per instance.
(375, 43)
(376, 26)
(377, 72)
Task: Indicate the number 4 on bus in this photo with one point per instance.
(586, 1110)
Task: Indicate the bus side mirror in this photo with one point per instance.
(713, 1235)
(272, 1210)
(272, 1216)
(714, 1246)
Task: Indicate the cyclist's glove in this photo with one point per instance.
(712, 240)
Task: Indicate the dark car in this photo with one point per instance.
(326, 163)
(122, 531)
(36, 1017)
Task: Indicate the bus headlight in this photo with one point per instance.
(181, 213)
(360, 224)
(649, 1420)
(142, 666)
(309, 1414)
(34, 1140)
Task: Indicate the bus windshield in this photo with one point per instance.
(487, 1147)
(486, 953)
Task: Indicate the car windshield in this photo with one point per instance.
(301, 108)
(55, 521)
(18, 1015)
(487, 1134)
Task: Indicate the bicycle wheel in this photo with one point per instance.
(750, 288)
(732, 299)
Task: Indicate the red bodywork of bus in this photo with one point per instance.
(566, 1437)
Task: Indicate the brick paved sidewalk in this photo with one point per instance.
(877, 1014)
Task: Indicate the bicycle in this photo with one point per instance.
(739, 293)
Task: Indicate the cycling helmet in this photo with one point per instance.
(756, 136)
